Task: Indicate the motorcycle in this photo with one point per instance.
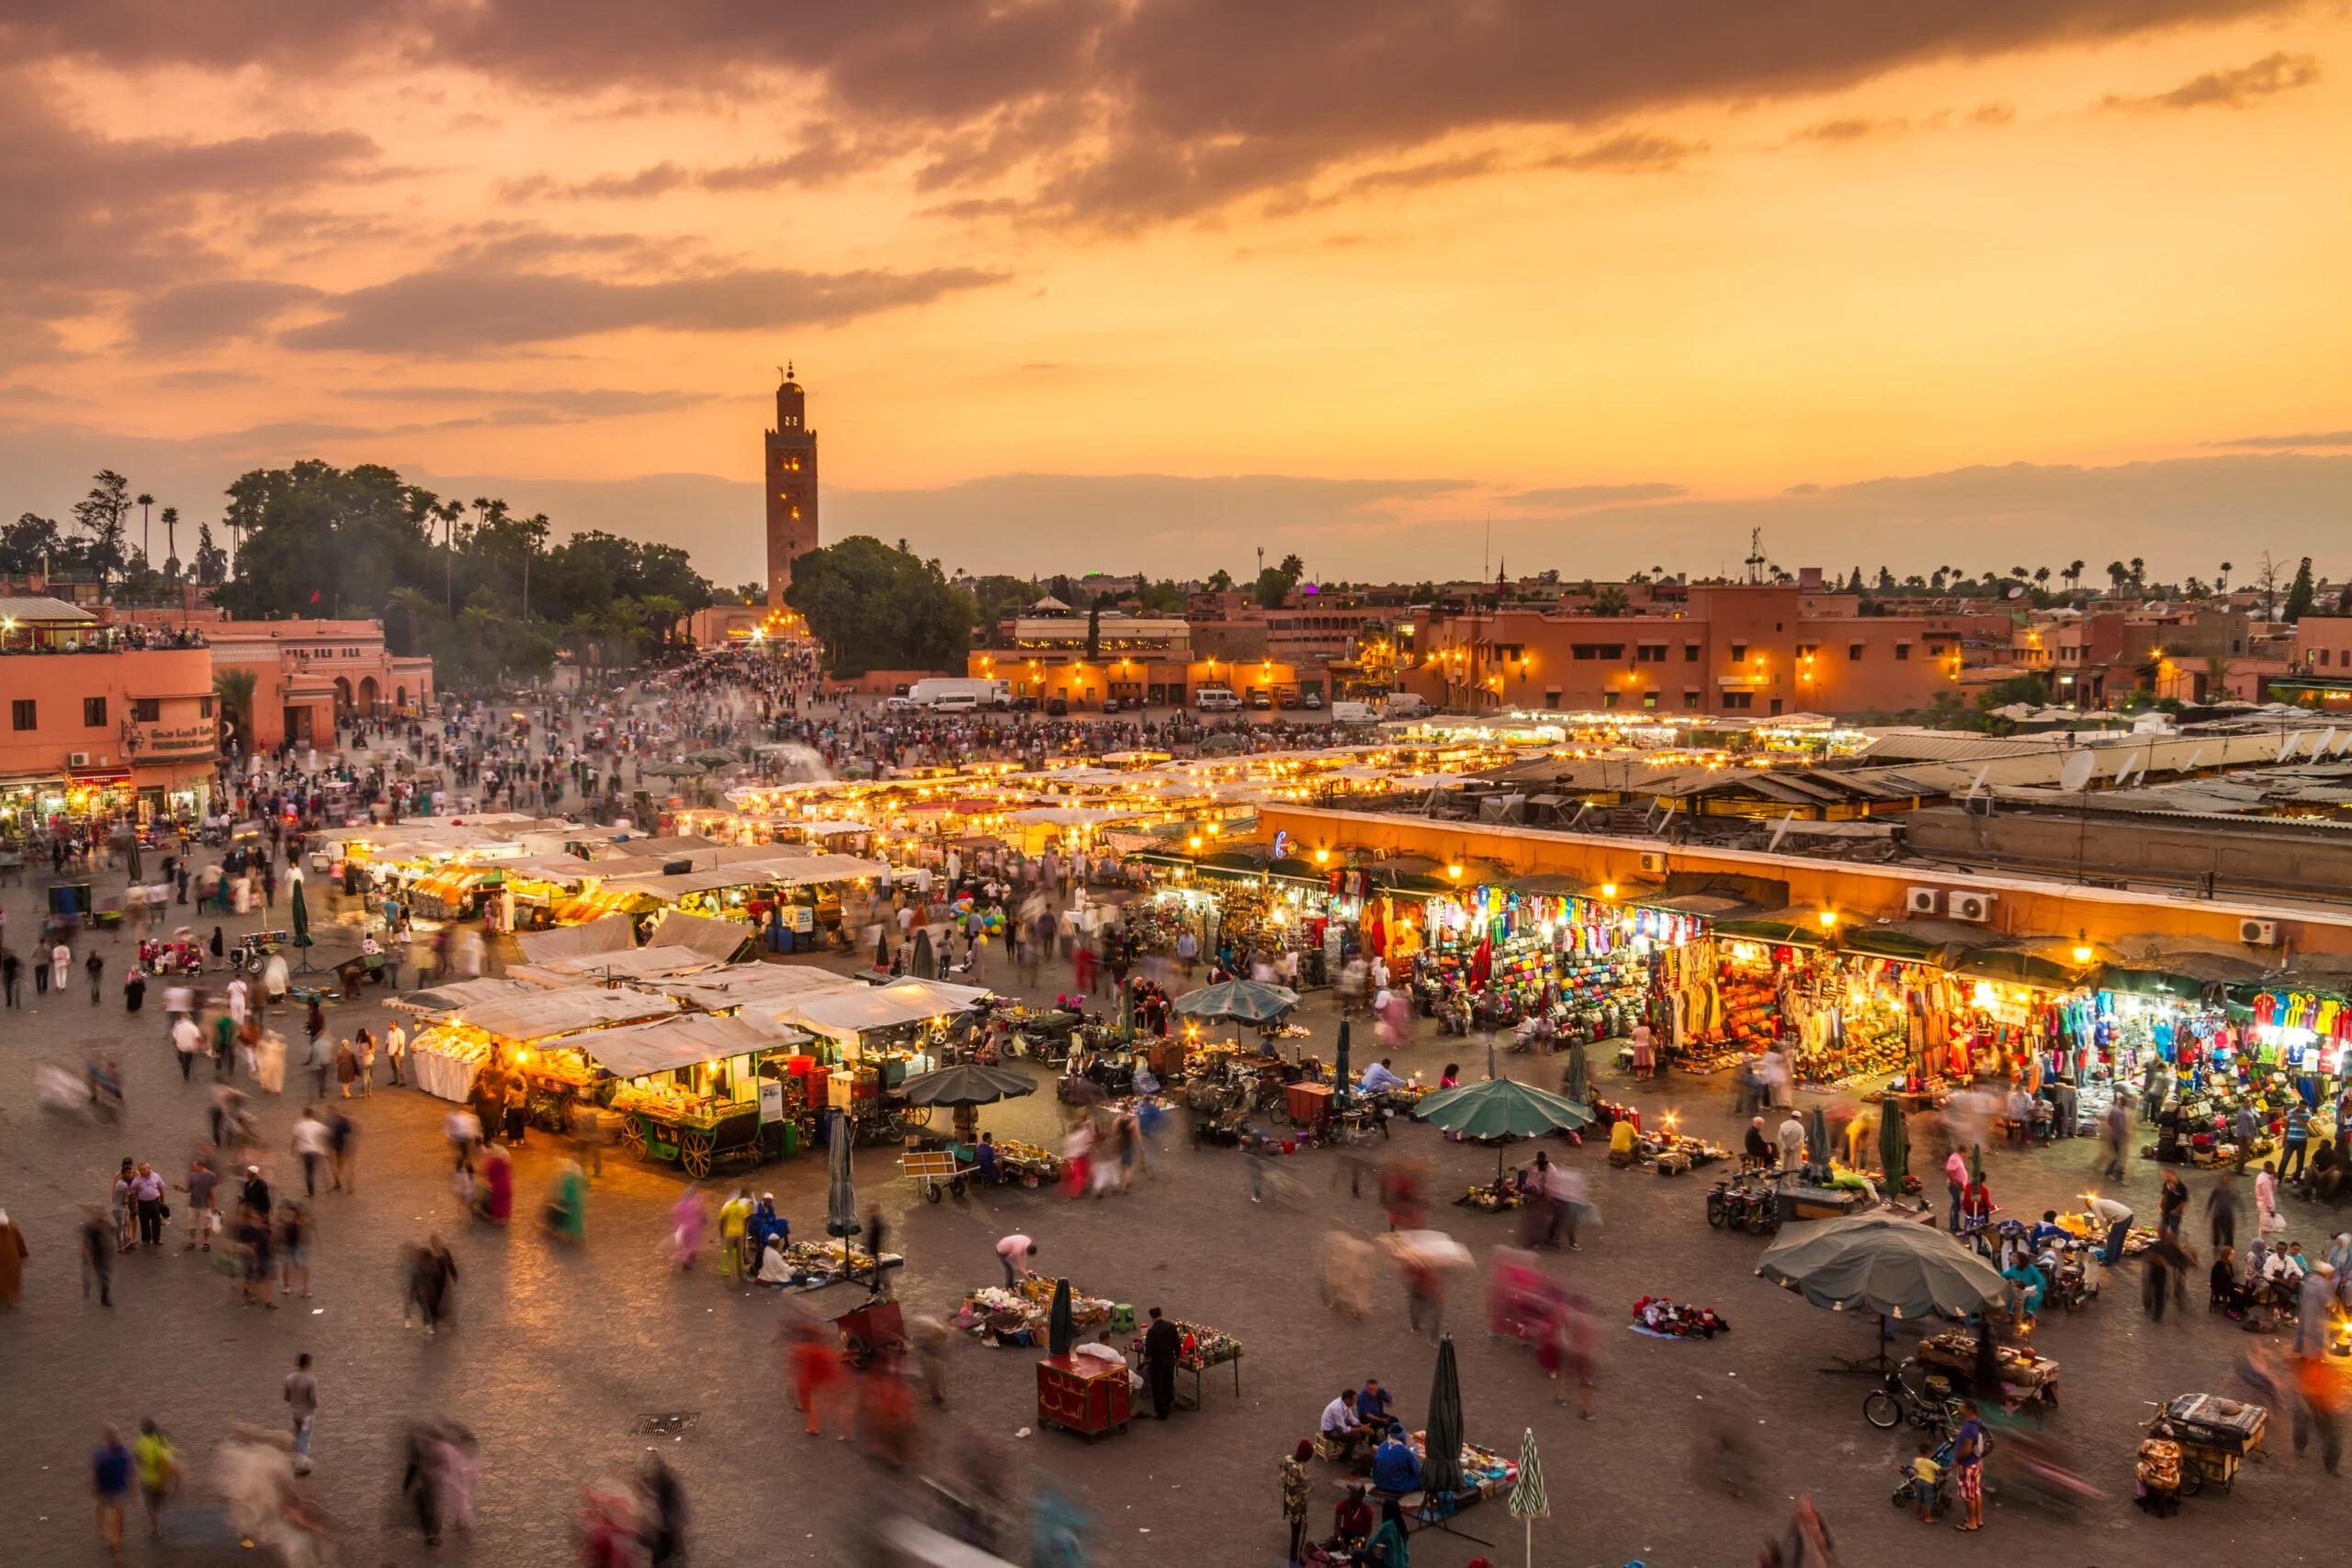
(1740, 1204)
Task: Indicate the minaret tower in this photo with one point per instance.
(789, 467)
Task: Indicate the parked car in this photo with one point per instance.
(899, 704)
(1215, 699)
(1056, 708)
(1110, 704)
(1312, 702)
(1261, 699)
(1287, 701)
(1024, 704)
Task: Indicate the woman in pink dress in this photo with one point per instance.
(1644, 1054)
(686, 1223)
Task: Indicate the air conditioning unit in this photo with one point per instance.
(77, 759)
(1653, 862)
(2259, 933)
(1924, 900)
(1976, 906)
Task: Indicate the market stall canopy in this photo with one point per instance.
(650, 962)
(553, 1013)
(1246, 1001)
(2016, 966)
(1501, 1108)
(845, 1015)
(614, 933)
(460, 994)
(721, 940)
(553, 868)
(675, 1042)
(1883, 1263)
(1783, 928)
(782, 871)
(758, 987)
(966, 1084)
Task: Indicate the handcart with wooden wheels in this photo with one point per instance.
(697, 1140)
(2215, 1436)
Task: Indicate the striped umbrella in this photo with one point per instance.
(1528, 1502)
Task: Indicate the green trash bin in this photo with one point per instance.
(791, 1138)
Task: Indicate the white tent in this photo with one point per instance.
(845, 1015)
(614, 933)
(677, 1042)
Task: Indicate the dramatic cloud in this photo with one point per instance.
(1849, 127)
(1630, 151)
(462, 311)
(1152, 109)
(2239, 88)
(584, 403)
(1570, 498)
(2320, 439)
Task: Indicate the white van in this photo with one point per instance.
(1407, 705)
(954, 702)
(1217, 699)
(1354, 713)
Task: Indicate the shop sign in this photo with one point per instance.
(183, 741)
(771, 1101)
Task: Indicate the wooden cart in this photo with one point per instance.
(937, 1171)
(697, 1141)
(1086, 1395)
(2215, 1436)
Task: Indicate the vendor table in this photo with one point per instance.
(1086, 1395)
(1955, 1350)
(1196, 1362)
(444, 1078)
(1307, 1103)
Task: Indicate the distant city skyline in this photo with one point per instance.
(1177, 280)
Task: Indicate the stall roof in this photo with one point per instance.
(614, 933)
(681, 1041)
(648, 963)
(553, 1013)
(467, 993)
(717, 941)
(759, 986)
(783, 870)
(844, 1015)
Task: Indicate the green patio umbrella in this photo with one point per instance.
(1441, 1460)
(1528, 1502)
(1817, 1139)
(299, 912)
(965, 1084)
(1060, 1334)
(1246, 1001)
(1500, 1109)
(1883, 1263)
(1894, 1146)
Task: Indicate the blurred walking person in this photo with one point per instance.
(110, 1467)
(158, 1465)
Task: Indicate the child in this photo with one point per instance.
(1924, 1473)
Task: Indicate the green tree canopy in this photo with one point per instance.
(872, 607)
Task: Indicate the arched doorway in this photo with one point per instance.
(368, 691)
(342, 695)
(400, 699)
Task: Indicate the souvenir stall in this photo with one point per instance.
(1594, 968)
(1198, 1351)
(1020, 1315)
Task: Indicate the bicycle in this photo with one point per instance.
(1895, 1402)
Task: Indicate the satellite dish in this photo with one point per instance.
(2320, 749)
(1780, 831)
(2288, 743)
(2079, 769)
(2190, 766)
(1977, 786)
(2124, 772)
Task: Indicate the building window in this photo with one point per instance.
(1854, 651)
(1552, 700)
(1738, 700)
(1650, 653)
(1649, 699)
(1689, 653)
(1690, 699)
(94, 714)
(1609, 699)
(22, 715)
(1807, 649)
(147, 710)
(1739, 653)
(1902, 652)
(204, 707)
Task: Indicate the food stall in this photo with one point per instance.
(704, 1090)
(1200, 1348)
(449, 1053)
(1020, 1317)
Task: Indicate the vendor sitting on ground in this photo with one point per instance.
(1396, 1468)
(773, 1269)
(2048, 1233)
(1371, 1403)
(2228, 1294)
(1352, 1520)
(1343, 1427)
(1623, 1143)
(1378, 1079)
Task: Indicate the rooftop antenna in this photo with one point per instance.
(1755, 555)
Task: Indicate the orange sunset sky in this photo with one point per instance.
(1085, 285)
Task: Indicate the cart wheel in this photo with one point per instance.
(694, 1153)
(1715, 1211)
(916, 1116)
(956, 1186)
(931, 1191)
(633, 1137)
(2192, 1476)
(1279, 1114)
(1881, 1410)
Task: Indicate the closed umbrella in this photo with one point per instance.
(137, 875)
(1527, 1500)
(1061, 1333)
(1577, 1082)
(1817, 1140)
(881, 953)
(841, 1187)
(1441, 1461)
(1342, 1068)
(301, 914)
(1894, 1145)
(922, 966)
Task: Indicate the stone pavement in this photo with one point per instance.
(556, 1354)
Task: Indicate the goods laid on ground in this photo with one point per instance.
(2025, 1375)
(1026, 1163)
(1485, 1473)
(818, 1263)
(1020, 1315)
(1662, 1318)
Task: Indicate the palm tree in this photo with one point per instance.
(2222, 584)
(1610, 601)
(2041, 577)
(2073, 574)
(2139, 571)
(2118, 574)
(146, 536)
(234, 688)
(449, 512)
(415, 602)
(172, 538)
(663, 611)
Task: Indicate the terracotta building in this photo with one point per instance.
(309, 675)
(99, 718)
(1752, 650)
(789, 467)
